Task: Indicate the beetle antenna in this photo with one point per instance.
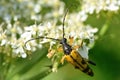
(39, 38)
(64, 22)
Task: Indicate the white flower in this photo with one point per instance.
(3, 37)
(37, 8)
(82, 15)
(90, 6)
(113, 7)
(20, 51)
(88, 33)
(24, 55)
(3, 42)
(33, 29)
(26, 36)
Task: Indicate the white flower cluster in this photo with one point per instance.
(17, 33)
(29, 10)
(90, 6)
(14, 35)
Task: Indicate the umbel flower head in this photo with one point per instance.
(14, 37)
(75, 32)
(52, 34)
(55, 51)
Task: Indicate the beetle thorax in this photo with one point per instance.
(66, 47)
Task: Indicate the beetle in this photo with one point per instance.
(71, 55)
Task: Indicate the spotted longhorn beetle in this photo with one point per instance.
(71, 55)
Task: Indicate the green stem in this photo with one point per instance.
(104, 28)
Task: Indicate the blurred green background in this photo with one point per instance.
(105, 54)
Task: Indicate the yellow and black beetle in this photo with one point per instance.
(71, 55)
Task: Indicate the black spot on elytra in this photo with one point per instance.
(83, 61)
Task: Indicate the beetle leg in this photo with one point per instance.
(63, 58)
